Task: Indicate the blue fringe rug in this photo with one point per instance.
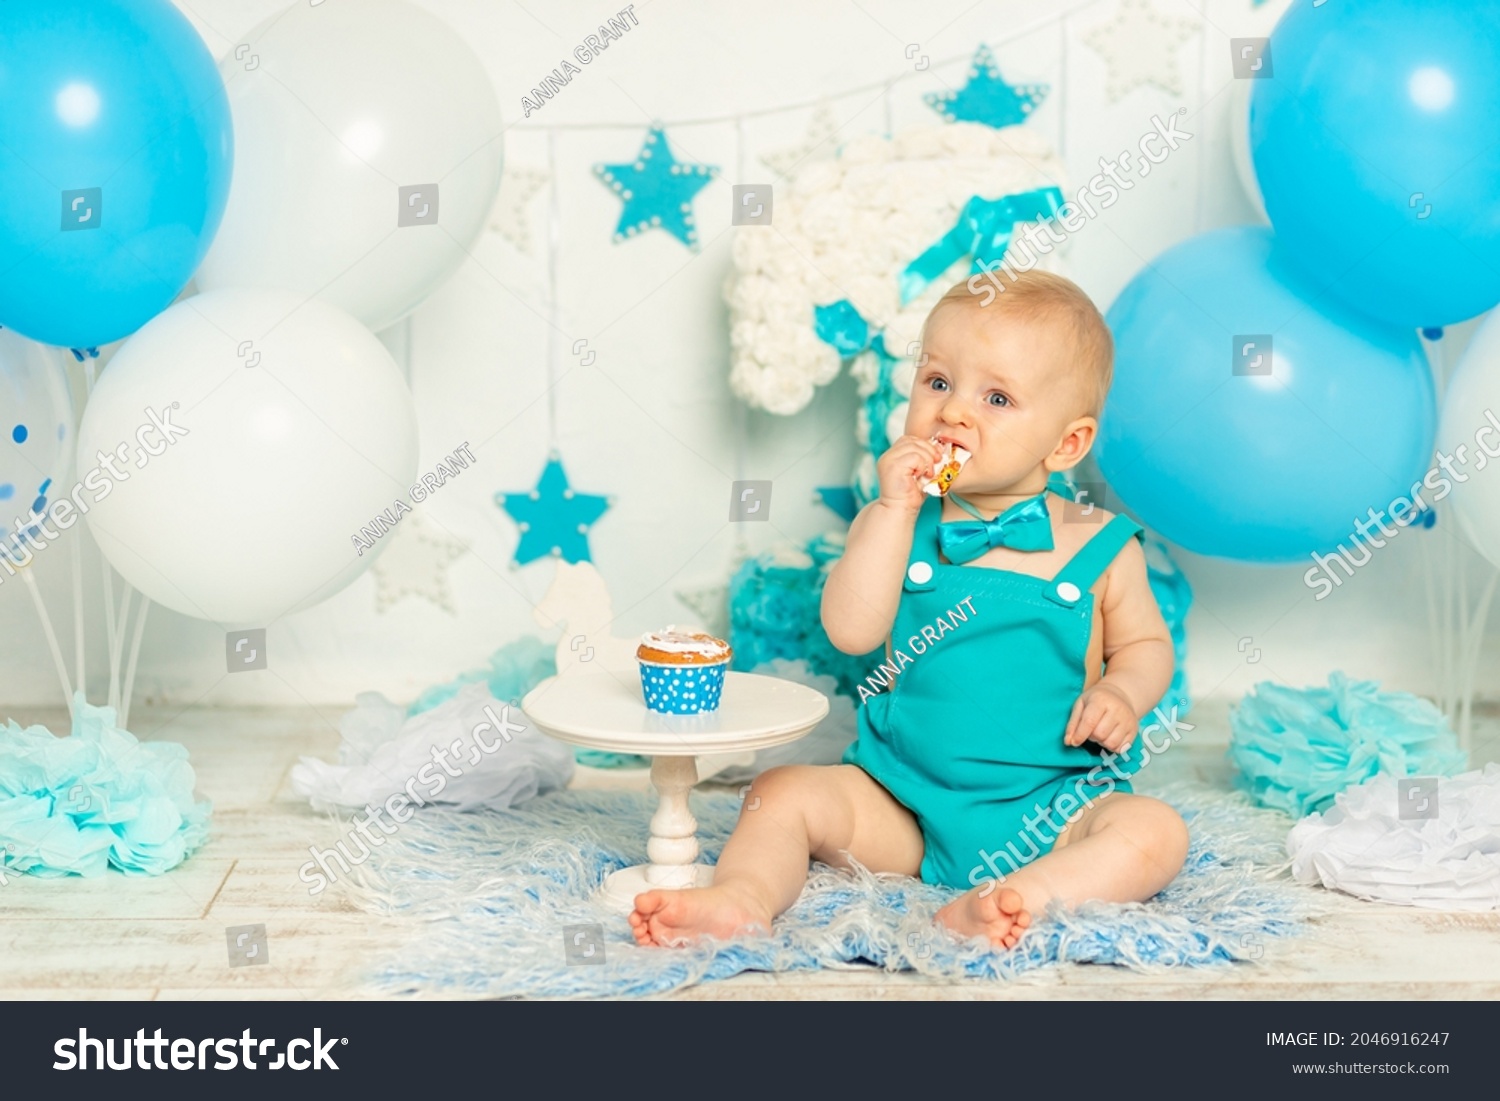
(492, 896)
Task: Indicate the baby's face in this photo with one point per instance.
(1000, 386)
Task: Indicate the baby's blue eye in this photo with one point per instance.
(932, 382)
(1004, 401)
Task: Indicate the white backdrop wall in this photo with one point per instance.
(651, 420)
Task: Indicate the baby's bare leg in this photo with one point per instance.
(789, 815)
(1123, 848)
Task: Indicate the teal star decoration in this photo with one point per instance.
(841, 500)
(552, 517)
(987, 98)
(657, 190)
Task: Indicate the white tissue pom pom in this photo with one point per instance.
(845, 228)
(784, 554)
(865, 149)
(965, 143)
(866, 478)
(902, 376)
(922, 144)
(806, 347)
(750, 251)
(787, 393)
(1363, 846)
(739, 332)
(905, 329)
(895, 422)
(818, 177)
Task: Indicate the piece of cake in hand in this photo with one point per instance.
(945, 470)
(682, 672)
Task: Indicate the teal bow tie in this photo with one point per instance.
(1026, 526)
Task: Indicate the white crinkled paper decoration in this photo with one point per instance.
(1368, 846)
(844, 228)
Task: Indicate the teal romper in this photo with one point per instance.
(986, 665)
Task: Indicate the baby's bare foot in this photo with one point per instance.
(1000, 915)
(672, 918)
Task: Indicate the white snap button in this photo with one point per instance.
(1068, 591)
(920, 573)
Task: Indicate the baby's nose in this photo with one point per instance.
(955, 411)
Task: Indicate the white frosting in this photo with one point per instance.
(674, 641)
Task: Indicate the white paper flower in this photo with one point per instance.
(845, 228)
(895, 424)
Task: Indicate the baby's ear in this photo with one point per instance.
(1076, 442)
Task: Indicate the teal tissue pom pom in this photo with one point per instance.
(1295, 749)
(775, 611)
(97, 799)
(513, 670)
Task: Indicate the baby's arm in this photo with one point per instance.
(1138, 658)
(864, 586)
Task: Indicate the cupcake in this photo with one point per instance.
(682, 672)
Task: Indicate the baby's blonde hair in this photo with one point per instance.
(1046, 296)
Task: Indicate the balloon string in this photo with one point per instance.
(1439, 562)
(553, 249)
(1460, 568)
(1429, 568)
(109, 625)
(135, 653)
(1461, 572)
(1062, 88)
(117, 653)
(76, 552)
(57, 658)
(1450, 562)
(75, 556)
(741, 409)
(1471, 665)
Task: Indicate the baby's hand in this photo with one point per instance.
(901, 470)
(1102, 714)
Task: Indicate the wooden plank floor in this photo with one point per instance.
(164, 937)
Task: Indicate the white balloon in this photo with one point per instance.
(1471, 420)
(299, 430)
(1239, 145)
(336, 108)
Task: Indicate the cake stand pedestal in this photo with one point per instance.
(604, 709)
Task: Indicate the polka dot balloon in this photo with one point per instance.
(36, 436)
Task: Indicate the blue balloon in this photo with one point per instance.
(1373, 140)
(1250, 420)
(115, 155)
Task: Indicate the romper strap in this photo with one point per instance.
(1093, 558)
(922, 563)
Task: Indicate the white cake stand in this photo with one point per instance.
(604, 709)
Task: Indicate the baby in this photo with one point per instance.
(1023, 646)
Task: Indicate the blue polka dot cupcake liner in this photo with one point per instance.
(682, 688)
